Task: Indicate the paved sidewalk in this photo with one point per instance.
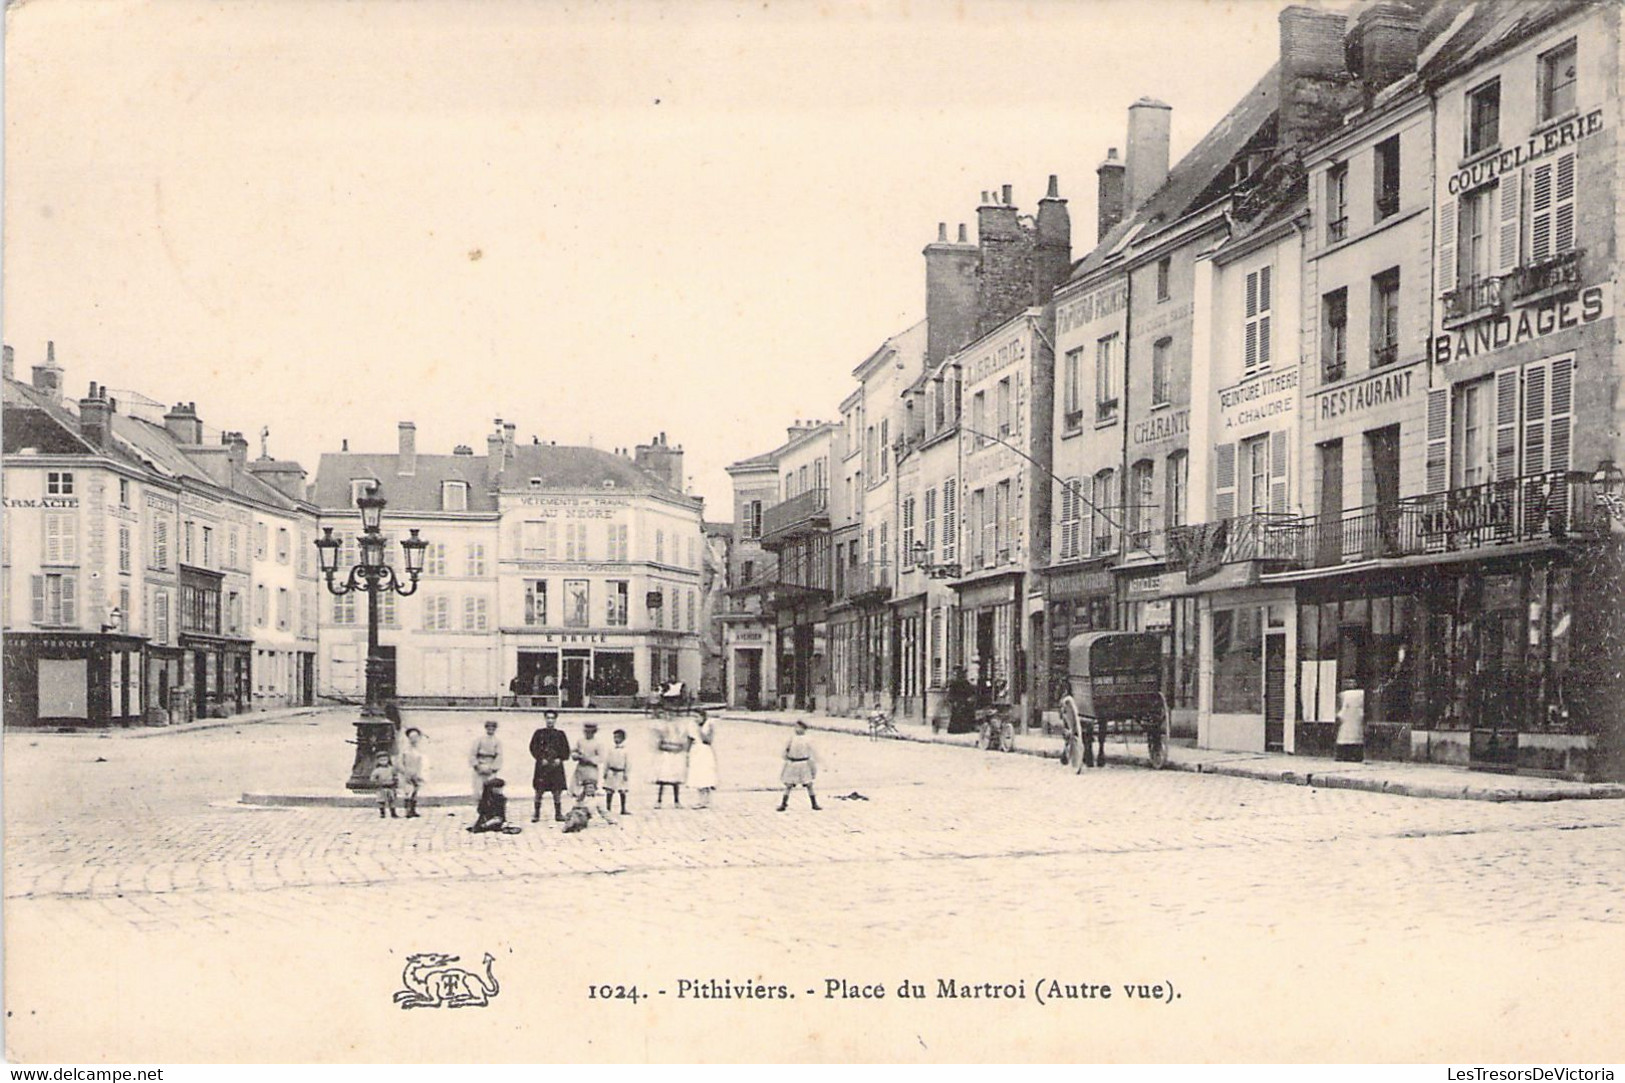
(130, 733)
(1404, 779)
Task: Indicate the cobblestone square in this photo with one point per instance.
(1283, 921)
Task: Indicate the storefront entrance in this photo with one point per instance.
(574, 685)
(748, 680)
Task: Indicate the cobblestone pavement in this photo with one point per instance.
(132, 857)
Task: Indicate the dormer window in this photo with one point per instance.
(454, 496)
(359, 487)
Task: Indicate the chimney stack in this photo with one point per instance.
(1052, 255)
(406, 458)
(1147, 153)
(11, 363)
(284, 475)
(1004, 280)
(95, 417)
(236, 445)
(950, 294)
(1316, 87)
(509, 428)
(495, 454)
(663, 461)
(1109, 208)
(48, 377)
(1383, 45)
(183, 423)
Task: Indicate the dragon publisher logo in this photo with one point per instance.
(431, 981)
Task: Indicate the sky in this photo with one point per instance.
(597, 221)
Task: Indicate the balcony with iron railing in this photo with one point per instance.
(858, 582)
(1550, 277)
(1550, 507)
(1265, 536)
(1384, 355)
(807, 513)
(1475, 299)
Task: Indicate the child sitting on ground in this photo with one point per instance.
(492, 814)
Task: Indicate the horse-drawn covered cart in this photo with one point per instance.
(1115, 685)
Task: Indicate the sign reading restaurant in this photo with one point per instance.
(1525, 324)
(1378, 390)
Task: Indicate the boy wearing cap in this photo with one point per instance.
(413, 770)
(617, 772)
(485, 758)
(589, 757)
(550, 748)
(383, 779)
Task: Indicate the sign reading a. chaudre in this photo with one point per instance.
(1259, 399)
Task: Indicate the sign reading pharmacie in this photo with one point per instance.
(1514, 328)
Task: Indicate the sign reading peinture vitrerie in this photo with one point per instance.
(1259, 399)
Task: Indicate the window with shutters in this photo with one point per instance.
(885, 447)
(1483, 116)
(1006, 408)
(908, 533)
(344, 609)
(284, 545)
(234, 612)
(124, 555)
(1224, 481)
(234, 548)
(61, 537)
(950, 521)
(978, 503)
(1559, 75)
(1551, 208)
(476, 617)
(1178, 478)
(616, 606)
(1255, 457)
(1334, 334)
(386, 610)
(1256, 322)
(1003, 527)
(259, 541)
(474, 560)
(690, 607)
(1161, 354)
(1473, 254)
(56, 600)
(1106, 359)
(188, 542)
(660, 547)
(1385, 318)
(615, 542)
(536, 602)
(1070, 519)
(434, 558)
(575, 541)
(978, 418)
(1472, 433)
(262, 606)
(123, 492)
(1548, 418)
(160, 616)
(1103, 499)
(930, 538)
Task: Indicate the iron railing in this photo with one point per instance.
(1559, 272)
(1553, 506)
(1474, 298)
(858, 580)
(1254, 536)
(788, 517)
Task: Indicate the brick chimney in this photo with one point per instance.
(183, 423)
(406, 459)
(48, 377)
(496, 454)
(1383, 45)
(662, 460)
(950, 294)
(1052, 254)
(1317, 88)
(1004, 278)
(10, 363)
(236, 445)
(1109, 207)
(1147, 153)
(95, 416)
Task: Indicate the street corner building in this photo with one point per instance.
(554, 576)
(152, 572)
(1332, 406)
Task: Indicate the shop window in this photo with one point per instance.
(536, 603)
(617, 592)
(1238, 661)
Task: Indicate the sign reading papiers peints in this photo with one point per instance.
(1092, 306)
(1525, 324)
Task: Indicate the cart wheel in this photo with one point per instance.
(984, 737)
(1157, 748)
(1008, 739)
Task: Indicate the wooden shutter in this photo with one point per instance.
(1446, 243)
(70, 601)
(1278, 480)
(931, 524)
(1507, 250)
(1224, 481)
(1064, 540)
(1506, 424)
(1560, 406)
(1250, 358)
(39, 598)
(950, 521)
(1438, 440)
(1563, 205)
(1534, 419)
(1551, 208)
(1263, 319)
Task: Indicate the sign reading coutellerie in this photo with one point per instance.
(1525, 325)
(1537, 146)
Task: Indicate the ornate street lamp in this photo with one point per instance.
(374, 734)
(933, 571)
(1608, 485)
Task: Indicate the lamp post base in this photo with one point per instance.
(373, 734)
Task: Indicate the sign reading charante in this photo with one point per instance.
(1376, 391)
(1538, 146)
(1525, 325)
(1162, 426)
